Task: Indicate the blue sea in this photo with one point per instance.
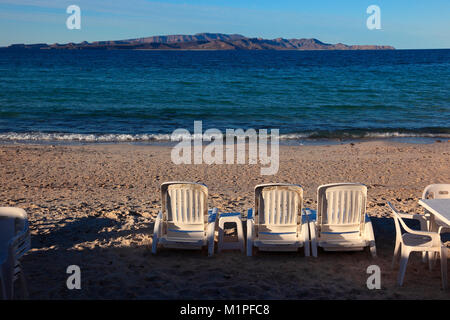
(143, 96)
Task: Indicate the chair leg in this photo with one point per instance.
(155, 244)
(312, 232)
(424, 226)
(249, 247)
(240, 235)
(3, 287)
(436, 254)
(432, 256)
(156, 233)
(307, 249)
(314, 248)
(430, 260)
(444, 267)
(210, 247)
(403, 263)
(373, 250)
(250, 238)
(424, 257)
(23, 283)
(220, 242)
(396, 253)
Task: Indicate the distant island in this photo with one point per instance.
(203, 41)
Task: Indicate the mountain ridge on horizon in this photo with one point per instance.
(204, 41)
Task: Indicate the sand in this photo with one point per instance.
(94, 206)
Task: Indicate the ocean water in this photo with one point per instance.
(143, 96)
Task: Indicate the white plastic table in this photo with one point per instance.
(233, 217)
(439, 210)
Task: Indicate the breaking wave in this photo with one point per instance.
(331, 135)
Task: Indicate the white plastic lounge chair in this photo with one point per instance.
(277, 222)
(14, 243)
(413, 240)
(341, 222)
(185, 221)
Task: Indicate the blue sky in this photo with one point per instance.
(405, 24)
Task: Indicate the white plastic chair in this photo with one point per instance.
(437, 191)
(423, 220)
(277, 222)
(414, 240)
(341, 222)
(434, 191)
(185, 221)
(14, 243)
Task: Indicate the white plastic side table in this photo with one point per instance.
(233, 217)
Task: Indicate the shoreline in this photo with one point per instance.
(282, 142)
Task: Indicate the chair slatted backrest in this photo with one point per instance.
(184, 202)
(436, 191)
(278, 204)
(341, 207)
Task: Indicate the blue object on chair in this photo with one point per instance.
(230, 214)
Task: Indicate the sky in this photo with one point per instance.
(413, 24)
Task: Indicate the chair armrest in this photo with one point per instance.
(414, 216)
(157, 226)
(435, 237)
(423, 219)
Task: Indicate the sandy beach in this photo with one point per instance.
(94, 206)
